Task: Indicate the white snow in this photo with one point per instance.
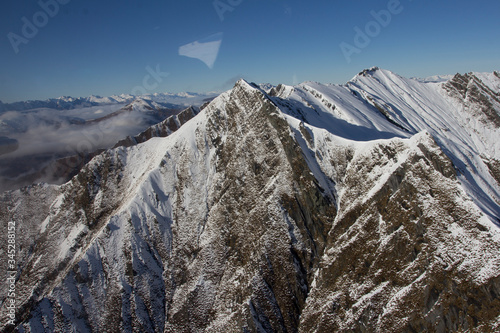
(343, 127)
(416, 105)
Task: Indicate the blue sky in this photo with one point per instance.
(104, 47)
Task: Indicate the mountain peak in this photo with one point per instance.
(140, 104)
(369, 71)
(244, 218)
(248, 86)
(372, 72)
(244, 84)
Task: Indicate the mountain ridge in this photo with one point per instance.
(69, 102)
(250, 217)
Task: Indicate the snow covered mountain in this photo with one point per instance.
(63, 169)
(462, 115)
(67, 103)
(70, 103)
(34, 140)
(372, 206)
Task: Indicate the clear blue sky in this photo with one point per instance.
(103, 47)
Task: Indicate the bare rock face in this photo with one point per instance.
(162, 129)
(249, 220)
(401, 259)
(479, 99)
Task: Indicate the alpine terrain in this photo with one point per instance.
(372, 206)
(39, 138)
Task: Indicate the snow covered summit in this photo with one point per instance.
(370, 206)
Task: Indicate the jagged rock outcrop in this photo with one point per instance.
(250, 218)
(408, 257)
(478, 98)
(222, 203)
(162, 129)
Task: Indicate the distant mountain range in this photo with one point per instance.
(69, 103)
(372, 206)
(31, 141)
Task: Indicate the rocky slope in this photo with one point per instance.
(309, 209)
(63, 169)
(162, 129)
(49, 145)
